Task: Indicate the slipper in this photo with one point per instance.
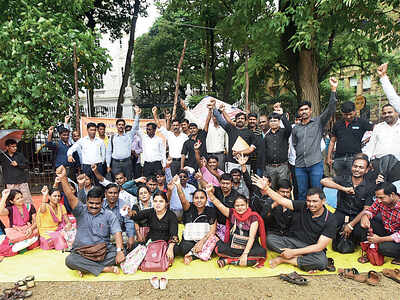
(155, 282)
(294, 278)
(331, 265)
(348, 273)
(396, 261)
(20, 295)
(163, 283)
(373, 278)
(363, 259)
(21, 285)
(30, 281)
(392, 274)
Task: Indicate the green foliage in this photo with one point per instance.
(36, 61)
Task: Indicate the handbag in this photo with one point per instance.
(239, 241)
(371, 250)
(156, 257)
(17, 233)
(134, 259)
(342, 244)
(208, 248)
(196, 231)
(96, 252)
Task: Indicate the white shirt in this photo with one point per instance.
(93, 151)
(385, 139)
(216, 139)
(391, 94)
(153, 148)
(175, 143)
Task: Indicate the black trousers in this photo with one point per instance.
(149, 168)
(294, 181)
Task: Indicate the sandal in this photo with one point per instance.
(392, 274)
(331, 265)
(373, 278)
(396, 261)
(155, 282)
(30, 281)
(20, 295)
(21, 285)
(163, 283)
(363, 259)
(348, 273)
(221, 262)
(294, 278)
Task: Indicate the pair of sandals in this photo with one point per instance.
(371, 278)
(159, 283)
(20, 290)
(294, 278)
(392, 274)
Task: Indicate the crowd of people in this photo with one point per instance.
(240, 187)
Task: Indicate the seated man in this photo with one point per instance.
(277, 219)
(94, 226)
(354, 195)
(313, 228)
(120, 180)
(386, 230)
(116, 205)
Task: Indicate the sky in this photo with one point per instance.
(143, 24)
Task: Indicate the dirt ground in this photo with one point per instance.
(319, 287)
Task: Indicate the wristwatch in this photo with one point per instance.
(119, 249)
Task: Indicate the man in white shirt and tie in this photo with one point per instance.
(93, 152)
(175, 139)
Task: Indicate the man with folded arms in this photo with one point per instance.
(313, 227)
(94, 226)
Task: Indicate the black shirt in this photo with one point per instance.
(227, 201)
(164, 229)
(308, 229)
(277, 144)
(275, 219)
(11, 174)
(188, 149)
(348, 139)
(352, 205)
(209, 215)
(233, 133)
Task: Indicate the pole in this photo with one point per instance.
(178, 76)
(77, 114)
(247, 82)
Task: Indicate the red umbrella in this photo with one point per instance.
(15, 134)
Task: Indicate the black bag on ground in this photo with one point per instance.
(341, 244)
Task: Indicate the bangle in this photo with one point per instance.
(351, 227)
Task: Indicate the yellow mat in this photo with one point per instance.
(49, 266)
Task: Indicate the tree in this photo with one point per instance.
(36, 70)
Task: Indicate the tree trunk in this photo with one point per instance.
(213, 62)
(307, 83)
(128, 61)
(228, 78)
(91, 111)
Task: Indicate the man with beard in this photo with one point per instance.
(385, 136)
(355, 194)
(94, 227)
(347, 135)
(234, 132)
(256, 158)
(306, 138)
(175, 139)
(188, 156)
(119, 208)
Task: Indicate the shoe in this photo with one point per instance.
(163, 283)
(30, 281)
(155, 282)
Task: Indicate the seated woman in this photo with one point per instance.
(243, 228)
(192, 212)
(145, 202)
(23, 231)
(5, 245)
(51, 219)
(162, 222)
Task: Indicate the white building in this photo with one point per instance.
(105, 99)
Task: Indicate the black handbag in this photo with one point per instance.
(341, 244)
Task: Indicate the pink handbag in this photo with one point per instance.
(208, 248)
(134, 259)
(156, 257)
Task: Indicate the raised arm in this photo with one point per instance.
(155, 116)
(331, 146)
(72, 199)
(218, 204)
(4, 195)
(96, 172)
(185, 203)
(331, 108)
(210, 112)
(263, 185)
(45, 195)
(390, 92)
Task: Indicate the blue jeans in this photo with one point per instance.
(309, 177)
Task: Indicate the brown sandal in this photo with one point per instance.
(396, 261)
(363, 259)
(392, 274)
(373, 278)
(348, 273)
